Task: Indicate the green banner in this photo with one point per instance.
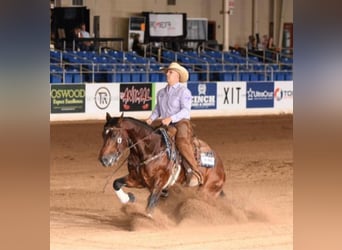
(67, 98)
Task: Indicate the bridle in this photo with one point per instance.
(118, 138)
(130, 144)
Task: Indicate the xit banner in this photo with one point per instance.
(67, 98)
(135, 97)
(260, 94)
(231, 96)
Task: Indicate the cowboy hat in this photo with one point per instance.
(183, 72)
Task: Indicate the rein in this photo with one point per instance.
(152, 158)
(116, 169)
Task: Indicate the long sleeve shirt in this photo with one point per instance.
(174, 102)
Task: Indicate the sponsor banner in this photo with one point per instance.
(231, 96)
(67, 98)
(283, 96)
(102, 98)
(260, 94)
(164, 25)
(135, 97)
(203, 95)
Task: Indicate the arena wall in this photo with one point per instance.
(72, 102)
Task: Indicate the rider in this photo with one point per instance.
(173, 107)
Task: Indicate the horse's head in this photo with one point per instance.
(115, 142)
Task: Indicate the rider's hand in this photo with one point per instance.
(166, 121)
(149, 121)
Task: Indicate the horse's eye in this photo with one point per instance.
(107, 131)
(119, 140)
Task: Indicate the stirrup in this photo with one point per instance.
(198, 176)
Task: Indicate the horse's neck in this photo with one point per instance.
(146, 140)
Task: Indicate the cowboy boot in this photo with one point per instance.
(185, 147)
(188, 155)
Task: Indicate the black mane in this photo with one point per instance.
(139, 123)
(114, 121)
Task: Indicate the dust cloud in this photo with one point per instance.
(186, 207)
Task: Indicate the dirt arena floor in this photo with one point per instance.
(257, 212)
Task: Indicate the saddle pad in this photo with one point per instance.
(208, 159)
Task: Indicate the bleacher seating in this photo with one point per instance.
(205, 66)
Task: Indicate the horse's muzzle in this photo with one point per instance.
(108, 160)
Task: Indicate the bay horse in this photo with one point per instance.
(153, 160)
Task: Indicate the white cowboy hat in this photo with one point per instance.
(183, 72)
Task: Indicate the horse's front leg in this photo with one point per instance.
(128, 182)
(153, 200)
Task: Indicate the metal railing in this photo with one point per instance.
(128, 67)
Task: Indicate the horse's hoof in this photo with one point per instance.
(131, 197)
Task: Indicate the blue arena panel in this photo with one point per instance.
(279, 76)
(76, 76)
(244, 77)
(55, 78)
(67, 78)
(136, 77)
(162, 77)
(113, 77)
(253, 77)
(193, 76)
(261, 77)
(125, 76)
(288, 76)
(154, 77)
(226, 76)
(143, 77)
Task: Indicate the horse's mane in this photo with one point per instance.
(114, 120)
(140, 123)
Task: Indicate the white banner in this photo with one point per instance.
(165, 25)
(283, 96)
(102, 98)
(231, 96)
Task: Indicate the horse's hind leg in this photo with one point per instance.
(215, 181)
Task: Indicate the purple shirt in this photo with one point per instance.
(175, 103)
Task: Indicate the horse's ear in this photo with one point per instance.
(108, 117)
(121, 117)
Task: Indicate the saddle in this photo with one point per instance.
(203, 153)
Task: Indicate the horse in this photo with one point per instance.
(153, 161)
